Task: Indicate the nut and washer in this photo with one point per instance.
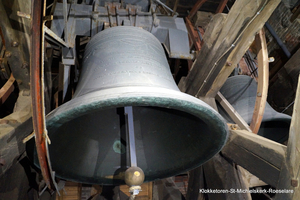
(294, 183)
(24, 65)
(15, 44)
(7, 54)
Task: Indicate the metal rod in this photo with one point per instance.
(164, 5)
(55, 37)
(287, 107)
(65, 13)
(130, 130)
(278, 40)
(199, 33)
(232, 112)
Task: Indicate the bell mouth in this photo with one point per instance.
(174, 133)
(240, 91)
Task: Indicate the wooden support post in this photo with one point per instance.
(216, 61)
(260, 156)
(263, 82)
(290, 171)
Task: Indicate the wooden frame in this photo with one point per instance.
(263, 81)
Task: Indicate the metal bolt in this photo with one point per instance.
(95, 15)
(2, 162)
(26, 92)
(294, 183)
(24, 65)
(271, 59)
(19, 81)
(259, 94)
(15, 43)
(229, 63)
(233, 126)
(7, 54)
(156, 22)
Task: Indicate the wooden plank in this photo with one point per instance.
(150, 190)
(196, 182)
(213, 29)
(260, 156)
(7, 89)
(263, 82)
(232, 112)
(195, 8)
(215, 63)
(290, 173)
(221, 6)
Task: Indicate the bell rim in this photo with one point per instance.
(142, 96)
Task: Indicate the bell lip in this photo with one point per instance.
(141, 96)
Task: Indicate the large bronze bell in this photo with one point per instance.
(240, 91)
(173, 132)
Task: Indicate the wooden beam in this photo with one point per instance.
(193, 34)
(263, 81)
(289, 175)
(195, 8)
(7, 89)
(214, 63)
(232, 112)
(241, 47)
(221, 6)
(260, 156)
